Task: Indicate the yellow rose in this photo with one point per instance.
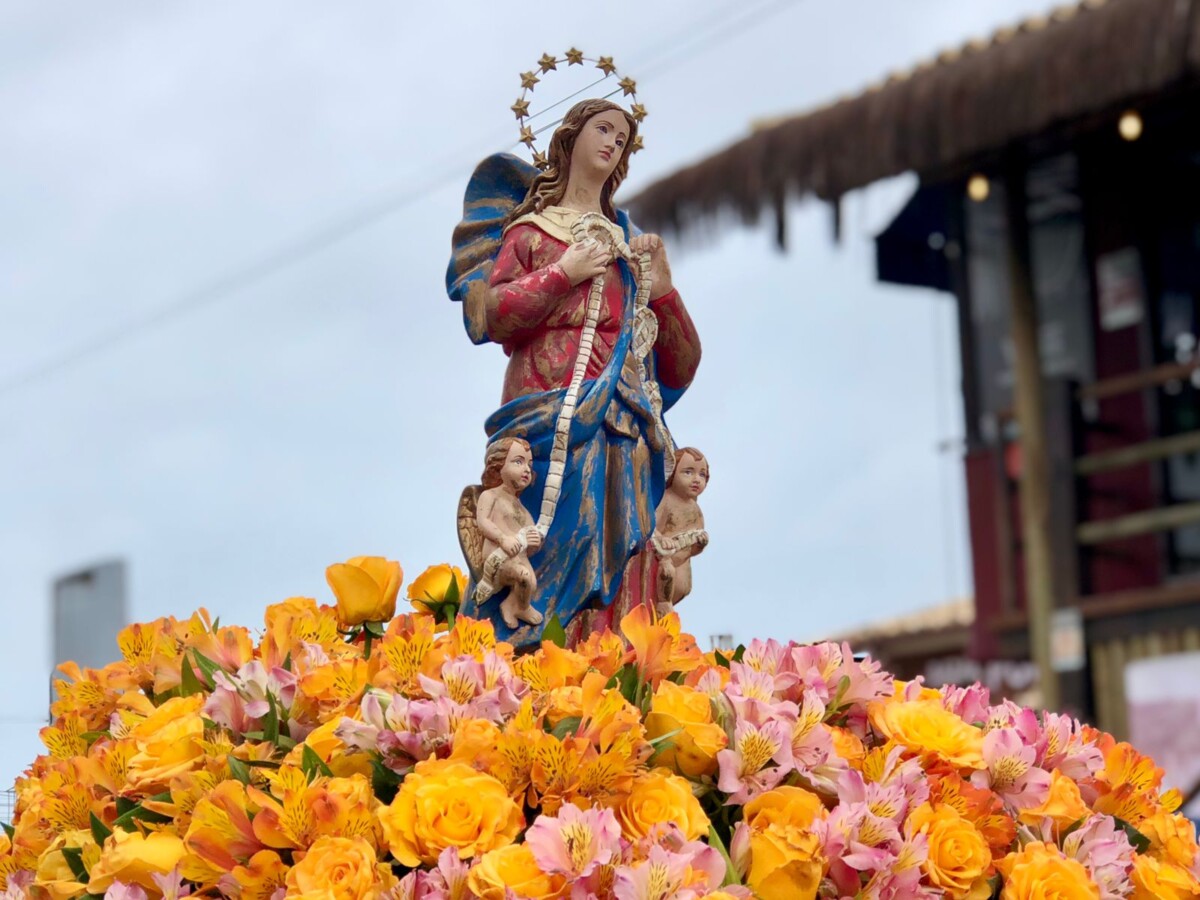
(132, 857)
(659, 796)
(693, 751)
(54, 874)
(1038, 871)
(959, 857)
(785, 854)
(927, 727)
(168, 744)
(1156, 880)
(432, 584)
(1172, 838)
(446, 803)
(366, 589)
(1064, 804)
(339, 868)
(512, 868)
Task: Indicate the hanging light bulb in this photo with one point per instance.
(978, 188)
(1130, 125)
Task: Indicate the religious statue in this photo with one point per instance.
(679, 528)
(600, 345)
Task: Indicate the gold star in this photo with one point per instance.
(636, 145)
(521, 107)
(605, 65)
(528, 80)
(527, 136)
(547, 62)
(574, 57)
(636, 110)
(628, 86)
(539, 160)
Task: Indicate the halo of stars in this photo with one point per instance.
(550, 63)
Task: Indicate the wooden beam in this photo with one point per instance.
(1138, 381)
(1135, 454)
(1149, 521)
(1035, 485)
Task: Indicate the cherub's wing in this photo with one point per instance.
(469, 537)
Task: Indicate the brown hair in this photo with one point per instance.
(549, 186)
(690, 451)
(497, 453)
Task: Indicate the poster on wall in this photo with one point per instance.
(1163, 694)
(1121, 290)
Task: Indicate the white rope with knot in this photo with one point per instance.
(592, 227)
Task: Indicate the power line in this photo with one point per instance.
(694, 40)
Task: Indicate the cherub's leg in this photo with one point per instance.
(665, 588)
(525, 586)
(683, 582)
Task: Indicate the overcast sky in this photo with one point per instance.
(335, 408)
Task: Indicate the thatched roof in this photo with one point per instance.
(1080, 61)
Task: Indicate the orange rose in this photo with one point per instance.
(928, 728)
(366, 588)
(959, 858)
(659, 796)
(785, 854)
(1064, 805)
(168, 743)
(1155, 880)
(1038, 871)
(693, 750)
(512, 868)
(1172, 838)
(54, 874)
(339, 868)
(446, 803)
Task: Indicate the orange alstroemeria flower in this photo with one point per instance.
(658, 648)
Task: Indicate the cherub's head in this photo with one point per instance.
(508, 459)
(588, 125)
(689, 478)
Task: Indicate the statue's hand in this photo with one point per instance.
(660, 268)
(585, 260)
(511, 545)
(533, 538)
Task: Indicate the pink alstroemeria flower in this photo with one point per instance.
(743, 770)
(1010, 771)
(447, 881)
(659, 877)
(575, 841)
(1105, 852)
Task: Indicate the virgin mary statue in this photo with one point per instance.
(524, 278)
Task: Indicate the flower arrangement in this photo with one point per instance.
(350, 753)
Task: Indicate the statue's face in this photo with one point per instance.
(599, 145)
(517, 472)
(690, 478)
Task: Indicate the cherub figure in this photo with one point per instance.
(508, 527)
(679, 528)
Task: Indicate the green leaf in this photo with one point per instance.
(8, 829)
(739, 652)
(264, 764)
(384, 782)
(721, 658)
(287, 662)
(124, 805)
(92, 736)
(206, 665)
(452, 594)
(567, 726)
(629, 682)
(238, 769)
(554, 632)
(1140, 842)
(374, 628)
(190, 684)
(283, 742)
(271, 723)
(125, 821)
(654, 742)
(312, 764)
(74, 858)
(714, 840)
(100, 831)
